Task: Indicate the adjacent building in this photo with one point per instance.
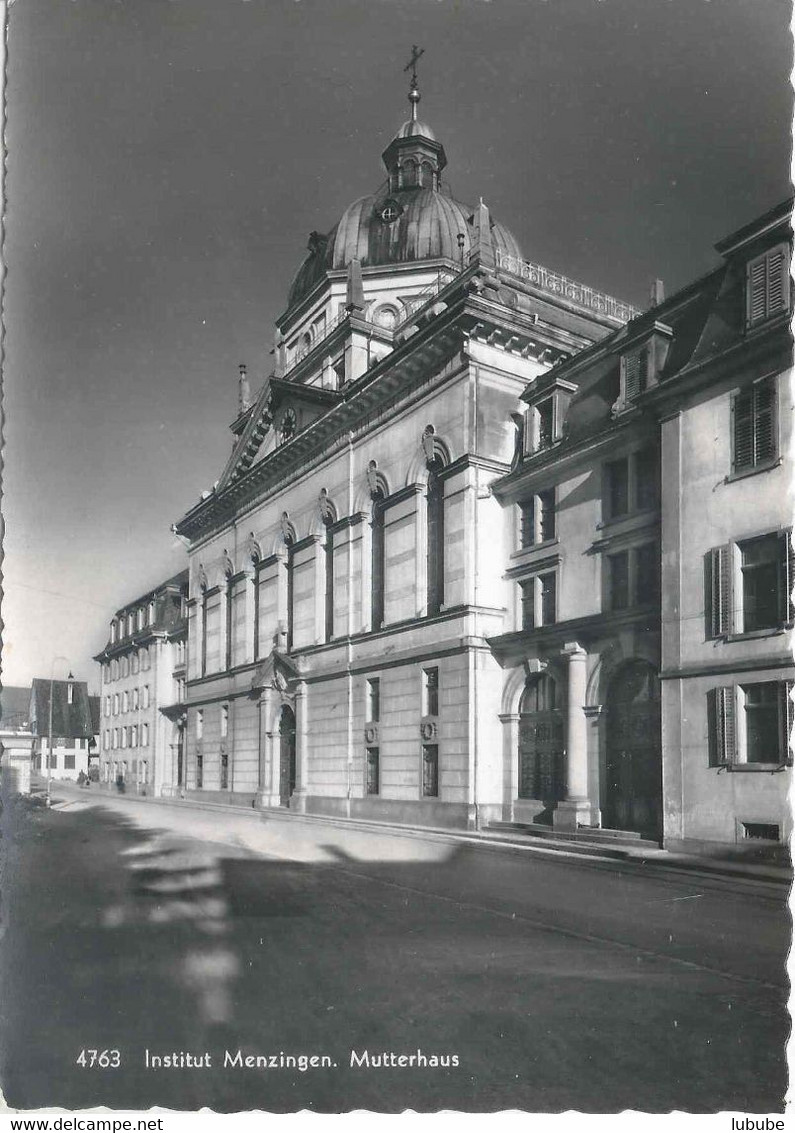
(143, 673)
(16, 739)
(649, 671)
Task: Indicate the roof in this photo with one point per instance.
(72, 720)
(426, 228)
(15, 706)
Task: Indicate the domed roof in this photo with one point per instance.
(426, 227)
(416, 129)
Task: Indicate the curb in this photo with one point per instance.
(775, 879)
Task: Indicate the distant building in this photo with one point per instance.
(72, 726)
(143, 672)
(16, 739)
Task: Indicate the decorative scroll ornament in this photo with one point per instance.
(428, 442)
(372, 478)
(253, 548)
(325, 506)
(427, 729)
(371, 734)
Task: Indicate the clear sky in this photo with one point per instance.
(167, 160)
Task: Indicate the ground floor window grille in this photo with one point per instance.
(430, 770)
(768, 831)
(199, 770)
(224, 771)
(372, 785)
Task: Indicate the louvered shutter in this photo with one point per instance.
(787, 581)
(777, 281)
(743, 411)
(757, 290)
(764, 421)
(722, 726)
(720, 591)
(635, 374)
(786, 715)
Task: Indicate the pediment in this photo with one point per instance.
(276, 671)
(279, 402)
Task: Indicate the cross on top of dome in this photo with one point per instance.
(414, 94)
(414, 159)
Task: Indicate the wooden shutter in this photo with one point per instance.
(722, 726)
(635, 373)
(719, 598)
(777, 281)
(786, 583)
(756, 294)
(764, 411)
(786, 715)
(743, 412)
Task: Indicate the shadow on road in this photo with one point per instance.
(138, 939)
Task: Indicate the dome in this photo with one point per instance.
(416, 129)
(426, 227)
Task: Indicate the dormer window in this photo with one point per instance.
(642, 363)
(548, 401)
(767, 286)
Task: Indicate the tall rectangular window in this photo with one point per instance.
(430, 770)
(430, 692)
(538, 518)
(755, 428)
(546, 423)
(539, 600)
(435, 564)
(224, 721)
(290, 591)
(765, 595)
(618, 487)
(329, 562)
(144, 735)
(646, 479)
(549, 589)
(751, 724)
(224, 770)
(199, 723)
(377, 564)
(199, 769)
(373, 785)
(373, 700)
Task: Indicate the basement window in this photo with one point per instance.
(762, 831)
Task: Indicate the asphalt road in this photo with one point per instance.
(539, 983)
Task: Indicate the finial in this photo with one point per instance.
(244, 390)
(414, 94)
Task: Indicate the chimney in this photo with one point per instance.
(244, 392)
(656, 293)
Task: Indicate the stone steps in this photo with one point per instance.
(599, 835)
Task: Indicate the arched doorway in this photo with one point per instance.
(633, 787)
(286, 755)
(541, 746)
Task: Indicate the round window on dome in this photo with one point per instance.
(386, 316)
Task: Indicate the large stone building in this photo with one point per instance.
(143, 684)
(426, 586)
(649, 674)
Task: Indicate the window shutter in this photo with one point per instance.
(722, 726)
(786, 715)
(743, 410)
(635, 374)
(756, 290)
(720, 591)
(785, 560)
(777, 281)
(764, 421)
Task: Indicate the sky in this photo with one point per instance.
(167, 159)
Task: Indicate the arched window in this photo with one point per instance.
(426, 175)
(435, 541)
(409, 173)
(377, 562)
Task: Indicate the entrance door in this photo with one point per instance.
(541, 758)
(633, 790)
(286, 755)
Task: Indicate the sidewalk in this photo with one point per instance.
(654, 861)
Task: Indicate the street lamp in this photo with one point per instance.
(58, 657)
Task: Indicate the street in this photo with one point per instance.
(525, 981)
